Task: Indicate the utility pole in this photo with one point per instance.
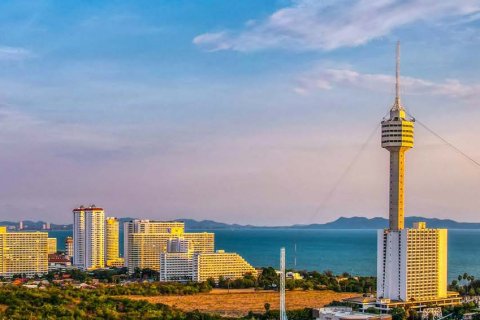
(283, 313)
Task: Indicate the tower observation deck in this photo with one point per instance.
(397, 138)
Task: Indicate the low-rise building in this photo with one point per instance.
(345, 313)
(58, 262)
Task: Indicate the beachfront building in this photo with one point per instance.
(228, 265)
(52, 245)
(112, 242)
(411, 263)
(145, 240)
(181, 263)
(89, 237)
(23, 253)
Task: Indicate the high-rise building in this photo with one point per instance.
(144, 240)
(52, 245)
(181, 263)
(20, 225)
(411, 263)
(23, 253)
(112, 242)
(89, 237)
(69, 246)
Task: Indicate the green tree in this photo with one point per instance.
(398, 314)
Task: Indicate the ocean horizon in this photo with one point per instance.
(340, 250)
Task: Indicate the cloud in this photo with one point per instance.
(14, 53)
(326, 79)
(328, 25)
(20, 132)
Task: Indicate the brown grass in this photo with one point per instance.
(240, 302)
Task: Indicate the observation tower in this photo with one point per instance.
(397, 138)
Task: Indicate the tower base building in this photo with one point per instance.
(412, 264)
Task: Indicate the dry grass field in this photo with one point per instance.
(240, 302)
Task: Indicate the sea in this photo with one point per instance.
(352, 251)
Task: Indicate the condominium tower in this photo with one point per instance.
(144, 240)
(89, 237)
(23, 253)
(411, 263)
(112, 252)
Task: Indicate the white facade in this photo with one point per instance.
(79, 238)
(89, 237)
(176, 266)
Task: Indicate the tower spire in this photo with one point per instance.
(397, 77)
(397, 110)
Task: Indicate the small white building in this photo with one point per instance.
(345, 313)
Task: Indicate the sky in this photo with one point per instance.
(259, 112)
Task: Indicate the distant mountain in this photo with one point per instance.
(380, 223)
(340, 223)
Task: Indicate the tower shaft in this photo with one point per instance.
(397, 180)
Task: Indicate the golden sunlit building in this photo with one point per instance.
(220, 264)
(52, 245)
(112, 242)
(145, 240)
(180, 263)
(23, 253)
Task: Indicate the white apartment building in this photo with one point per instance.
(89, 237)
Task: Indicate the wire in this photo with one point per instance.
(346, 172)
(466, 156)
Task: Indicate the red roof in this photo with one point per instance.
(88, 209)
(57, 258)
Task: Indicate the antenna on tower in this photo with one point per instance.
(397, 106)
(397, 73)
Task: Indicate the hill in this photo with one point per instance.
(340, 223)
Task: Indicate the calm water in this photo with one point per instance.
(353, 251)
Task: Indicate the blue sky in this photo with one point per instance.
(238, 111)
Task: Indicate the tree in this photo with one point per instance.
(267, 309)
(398, 314)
